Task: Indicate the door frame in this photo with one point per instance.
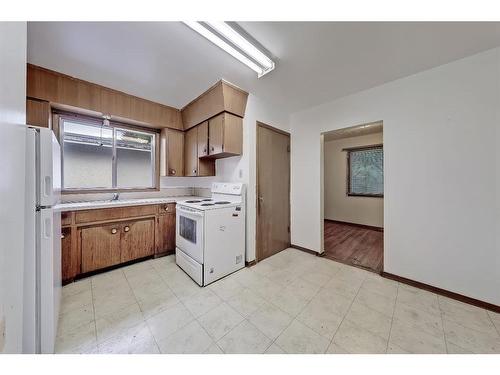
(258, 255)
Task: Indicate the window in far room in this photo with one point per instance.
(365, 171)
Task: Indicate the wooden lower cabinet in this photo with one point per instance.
(68, 264)
(166, 234)
(100, 246)
(97, 239)
(137, 240)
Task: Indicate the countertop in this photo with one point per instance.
(90, 205)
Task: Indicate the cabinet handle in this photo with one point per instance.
(62, 236)
(172, 171)
(126, 229)
(205, 151)
(166, 208)
(213, 149)
(113, 231)
(194, 171)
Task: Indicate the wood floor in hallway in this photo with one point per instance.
(358, 246)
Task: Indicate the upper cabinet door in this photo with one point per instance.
(216, 134)
(171, 153)
(202, 139)
(191, 152)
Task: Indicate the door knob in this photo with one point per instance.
(172, 171)
(113, 231)
(126, 229)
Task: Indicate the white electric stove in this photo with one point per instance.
(210, 233)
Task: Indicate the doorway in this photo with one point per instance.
(273, 191)
(353, 204)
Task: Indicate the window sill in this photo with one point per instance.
(127, 190)
(366, 195)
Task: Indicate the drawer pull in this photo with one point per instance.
(62, 236)
(126, 229)
(172, 171)
(113, 231)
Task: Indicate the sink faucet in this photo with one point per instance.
(116, 196)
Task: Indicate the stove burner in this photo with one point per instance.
(193, 201)
(222, 202)
(207, 204)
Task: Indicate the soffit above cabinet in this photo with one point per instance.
(221, 97)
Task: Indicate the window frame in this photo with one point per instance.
(58, 118)
(349, 150)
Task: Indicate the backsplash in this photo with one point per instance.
(164, 192)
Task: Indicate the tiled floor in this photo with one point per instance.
(292, 302)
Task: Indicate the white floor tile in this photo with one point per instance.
(244, 339)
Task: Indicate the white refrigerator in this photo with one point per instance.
(42, 258)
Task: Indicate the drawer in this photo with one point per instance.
(166, 208)
(107, 214)
(66, 218)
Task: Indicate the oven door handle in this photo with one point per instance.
(189, 213)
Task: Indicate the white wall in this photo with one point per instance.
(441, 163)
(12, 166)
(337, 204)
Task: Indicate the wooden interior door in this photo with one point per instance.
(100, 247)
(273, 191)
(138, 239)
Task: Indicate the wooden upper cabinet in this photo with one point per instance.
(65, 91)
(221, 97)
(216, 131)
(115, 103)
(37, 113)
(89, 96)
(42, 84)
(100, 246)
(137, 239)
(171, 153)
(191, 152)
(202, 139)
(225, 135)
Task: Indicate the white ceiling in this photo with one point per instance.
(316, 61)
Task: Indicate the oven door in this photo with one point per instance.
(189, 232)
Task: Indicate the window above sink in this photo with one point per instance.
(99, 155)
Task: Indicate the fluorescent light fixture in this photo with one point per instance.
(225, 37)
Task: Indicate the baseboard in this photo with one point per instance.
(378, 229)
(305, 249)
(443, 292)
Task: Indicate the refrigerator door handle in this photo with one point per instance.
(47, 187)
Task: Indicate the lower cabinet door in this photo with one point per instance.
(67, 268)
(100, 246)
(137, 239)
(166, 233)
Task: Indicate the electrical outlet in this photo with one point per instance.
(2, 334)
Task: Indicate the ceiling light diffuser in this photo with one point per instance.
(228, 39)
